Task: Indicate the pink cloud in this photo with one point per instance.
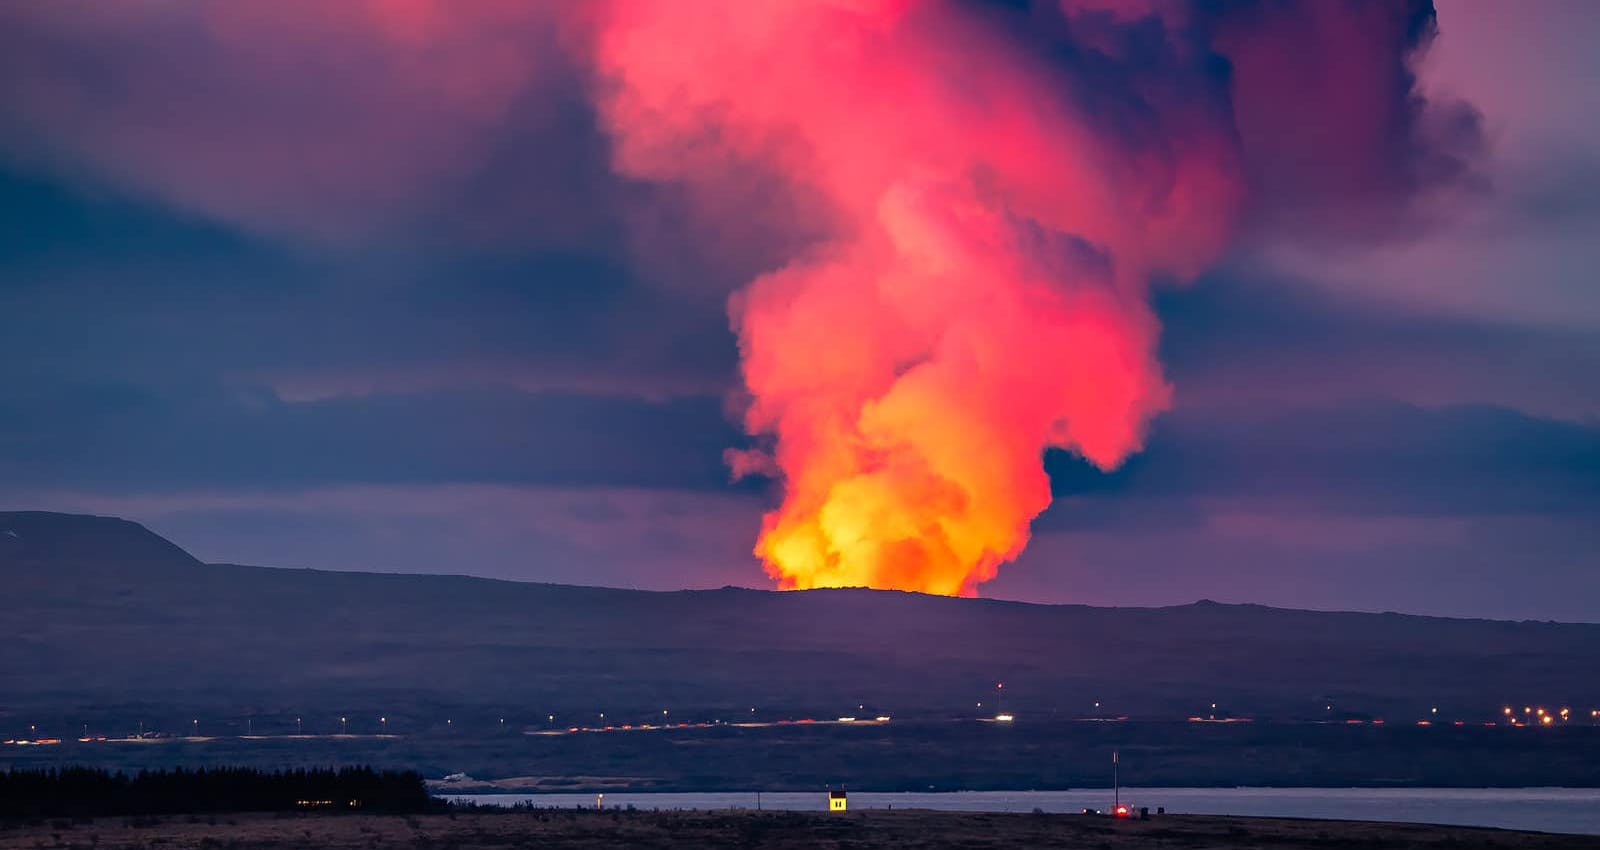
(1337, 138)
(323, 121)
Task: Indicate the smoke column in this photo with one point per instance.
(992, 225)
(994, 198)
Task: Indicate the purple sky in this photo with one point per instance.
(307, 291)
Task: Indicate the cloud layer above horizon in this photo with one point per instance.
(384, 286)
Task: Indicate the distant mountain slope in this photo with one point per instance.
(83, 544)
(102, 612)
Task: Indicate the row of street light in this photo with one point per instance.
(1529, 715)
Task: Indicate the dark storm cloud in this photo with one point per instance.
(59, 436)
(141, 347)
(96, 285)
(1357, 459)
(1254, 339)
(48, 228)
(1374, 457)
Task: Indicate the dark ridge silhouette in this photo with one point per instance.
(85, 544)
(104, 616)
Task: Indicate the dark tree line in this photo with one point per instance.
(89, 792)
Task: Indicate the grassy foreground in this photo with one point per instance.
(901, 829)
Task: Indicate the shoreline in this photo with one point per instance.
(559, 785)
(1565, 810)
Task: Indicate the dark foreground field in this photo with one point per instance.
(909, 829)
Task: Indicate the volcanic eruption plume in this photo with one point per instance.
(993, 217)
(995, 193)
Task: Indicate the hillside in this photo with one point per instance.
(102, 614)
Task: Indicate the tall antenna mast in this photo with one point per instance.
(1116, 788)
